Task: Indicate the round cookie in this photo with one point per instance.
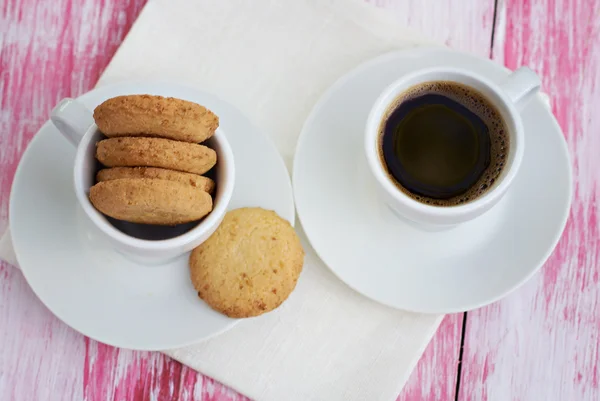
(150, 201)
(156, 116)
(250, 264)
(155, 152)
(195, 180)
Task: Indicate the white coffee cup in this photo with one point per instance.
(508, 98)
(77, 125)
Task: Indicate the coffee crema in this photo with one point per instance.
(443, 143)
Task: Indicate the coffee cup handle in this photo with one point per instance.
(72, 119)
(521, 86)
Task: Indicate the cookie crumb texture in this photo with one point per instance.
(155, 116)
(250, 264)
(195, 180)
(156, 152)
(150, 201)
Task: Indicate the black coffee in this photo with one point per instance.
(443, 143)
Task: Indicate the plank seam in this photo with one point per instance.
(460, 355)
(493, 28)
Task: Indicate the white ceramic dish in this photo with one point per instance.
(149, 244)
(515, 92)
(97, 290)
(368, 247)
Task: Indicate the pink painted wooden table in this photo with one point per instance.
(540, 343)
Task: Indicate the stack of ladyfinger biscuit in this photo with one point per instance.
(154, 160)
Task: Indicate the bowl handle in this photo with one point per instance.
(521, 86)
(72, 119)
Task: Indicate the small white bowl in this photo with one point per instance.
(142, 243)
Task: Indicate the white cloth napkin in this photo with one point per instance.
(273, 59)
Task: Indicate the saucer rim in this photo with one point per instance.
(419, 51)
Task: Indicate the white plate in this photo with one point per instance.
(381, 257)
(96, 290)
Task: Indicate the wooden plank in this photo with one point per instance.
(40, 357)
(543, 341)
(434, 377)
(114, 374)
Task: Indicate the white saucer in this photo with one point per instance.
(377, 254)
(96, 290)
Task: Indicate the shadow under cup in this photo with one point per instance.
(151, 232)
